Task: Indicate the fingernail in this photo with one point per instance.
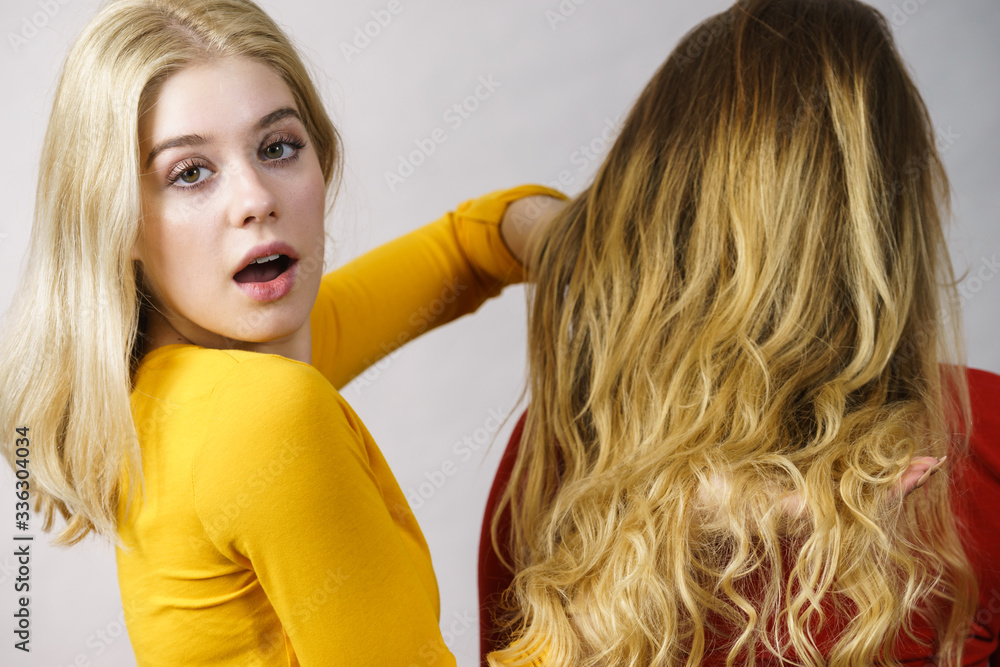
(938, 465)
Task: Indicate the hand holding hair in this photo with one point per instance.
(916, 475)
(919, 471)
(522, 220)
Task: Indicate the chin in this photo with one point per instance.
(258, 329)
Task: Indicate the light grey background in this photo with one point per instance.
(564, 70)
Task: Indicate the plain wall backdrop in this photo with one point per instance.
(561, 72)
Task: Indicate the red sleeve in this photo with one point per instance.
(494, 578)
(977, 506)
(977, 510)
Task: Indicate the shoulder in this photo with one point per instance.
(984, 387)
(277, 435)
(984, 392)
(269, 383)
(215, 374)
(264, 409)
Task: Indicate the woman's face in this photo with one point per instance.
(228, 170)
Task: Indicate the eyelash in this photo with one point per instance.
(194, 163)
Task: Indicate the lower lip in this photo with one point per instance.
(273, 290)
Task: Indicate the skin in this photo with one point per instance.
(524, 219)
(251, 192)
(915, 476)
(193, 240)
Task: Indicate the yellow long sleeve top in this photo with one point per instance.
(271, 531)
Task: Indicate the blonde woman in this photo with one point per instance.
(172, 358)
(743, 342)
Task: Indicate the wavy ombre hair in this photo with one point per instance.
(753, 298)
(74, 330)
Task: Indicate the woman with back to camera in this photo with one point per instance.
(743, 346)
(174, 351)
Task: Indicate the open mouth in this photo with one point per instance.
(264, 270)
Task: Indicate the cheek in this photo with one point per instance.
(307, 204)
(178, 254)
(311, 194)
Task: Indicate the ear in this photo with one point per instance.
(135, 254)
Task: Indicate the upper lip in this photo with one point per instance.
(264, 250)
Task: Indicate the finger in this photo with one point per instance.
(919, 472)
(915, 472)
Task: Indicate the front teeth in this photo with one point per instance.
(261, 260)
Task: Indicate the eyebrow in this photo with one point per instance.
(198, 140)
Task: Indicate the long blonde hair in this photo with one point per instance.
(755, 288)
(72, 335)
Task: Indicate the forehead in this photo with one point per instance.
(223, 96)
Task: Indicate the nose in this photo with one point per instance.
(253, 197)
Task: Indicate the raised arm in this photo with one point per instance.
(387, 297)
(525, 218)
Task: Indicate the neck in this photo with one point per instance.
(159, 332)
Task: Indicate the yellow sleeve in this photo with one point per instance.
(314, 528)
(428, 277)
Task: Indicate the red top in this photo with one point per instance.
(977, 506)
